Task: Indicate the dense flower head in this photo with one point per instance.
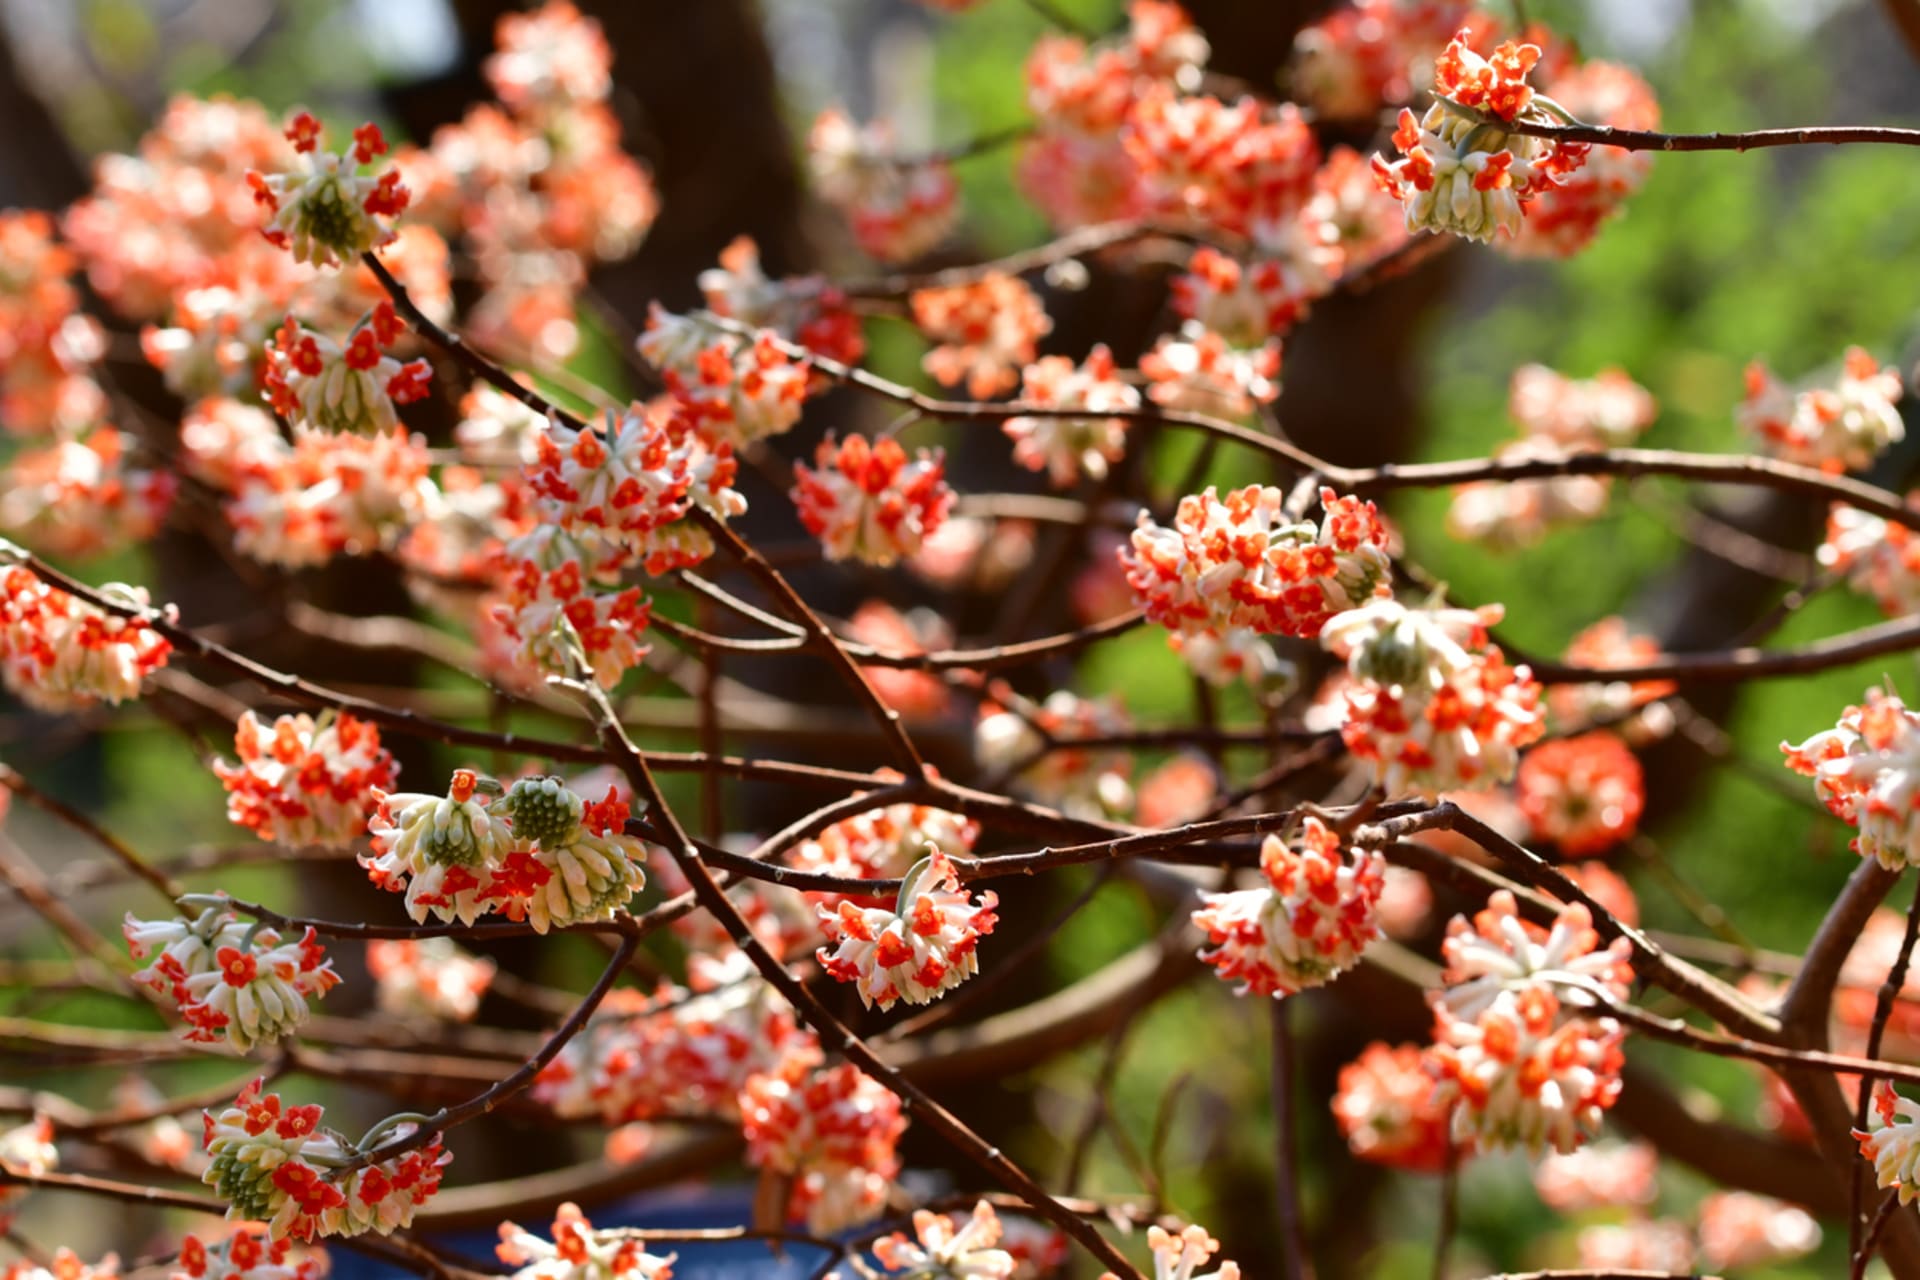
(1741, 1229)
(739, 390)
(578, 1252)
(674, 1053)
(1497, 951)
(1196, 370)
(271, 1163)
(881, 844)
(314, 382)
(1879, 558)
(1250, 302)
(539, 854)
(428, 977)
(633, 482)
(1090, 781)
(1866, 770)
(324, 210)
(1384, 1106)
(1602, 1176)
(224, 442)
(1308, 924)
(83, 497)
(898, 207)
(26, 1149)
(1519, 1074)
(1610, 643)
(301, 781)
(331, 495)
(1459, 171)
(1067, 447)
(834, 1133)
(1242, 562)
(870, 501)
(1839, 428)
(1606, 411)
(917, 950)
(551, 56)
(1563, 219)
(1505, 515)
(941, 1250)
(983, 333)
(1233, 165)
(1180, 1257)
(1660, 1245)
(60, 653)
(230, 980)
(249, 1253)
(808, 310)
(1077, 167)
(551, 597)
(1892, 1142)
(48, 345)
(1583, 794)
(1371, 53)
(1432, 705)
(66, 1265)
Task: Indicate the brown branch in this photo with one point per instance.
(1754, 140)
(11, 779)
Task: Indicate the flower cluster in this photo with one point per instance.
(1090, 781)
(833, 1132)
(1197, 370)
(1079, 167)
(229, 980)
(578, 1252)
(1738, 1229)
(983, 333)
(25, 1149)
(1066, 447)
(329, 495)
(921, 948)
(1583, 794)
(738, 390)
(1879, 558)
(1893, 1143)
(1630, 703)
(274, 1164)
(675, 1053)
(60, 653)
(882, 844)
(303, 782)
(1839, 428)
(1459, 170)
(428, 977)
(1867, 772)
(552, 610)
(80, 497)
(940, 1248)
(916, 694)
(633, 484)
(1308, 924)
(807, 309)
(1564, 218)
(250, 1253)
(1239, 166)
(315, 383)
(1603, 1175)
(539, 853)
(48, 345)
(539, 191)
(1498, 952)
(1432, 704)
(324, 210)
(66, 1266)
(870, 501)
(1384, 1106)
(1371, 53)
(1180, 1257)
(898, 207)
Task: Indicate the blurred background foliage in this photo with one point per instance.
(1722, 258)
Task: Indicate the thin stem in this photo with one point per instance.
(1889, 995)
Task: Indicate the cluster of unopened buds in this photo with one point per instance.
(1461, 169)
(870, 501)
(1520, 1055)
(303, 782)
(1240, 566)
(59, 653)
(538, 852)
(923, 946)
(1310, 922)
(230, 980)
(1866, 770)
(1432, 705)
(275, 1164)
(1839, 428)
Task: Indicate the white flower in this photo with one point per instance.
(923, 947)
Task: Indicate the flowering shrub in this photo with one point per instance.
(932, 750)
